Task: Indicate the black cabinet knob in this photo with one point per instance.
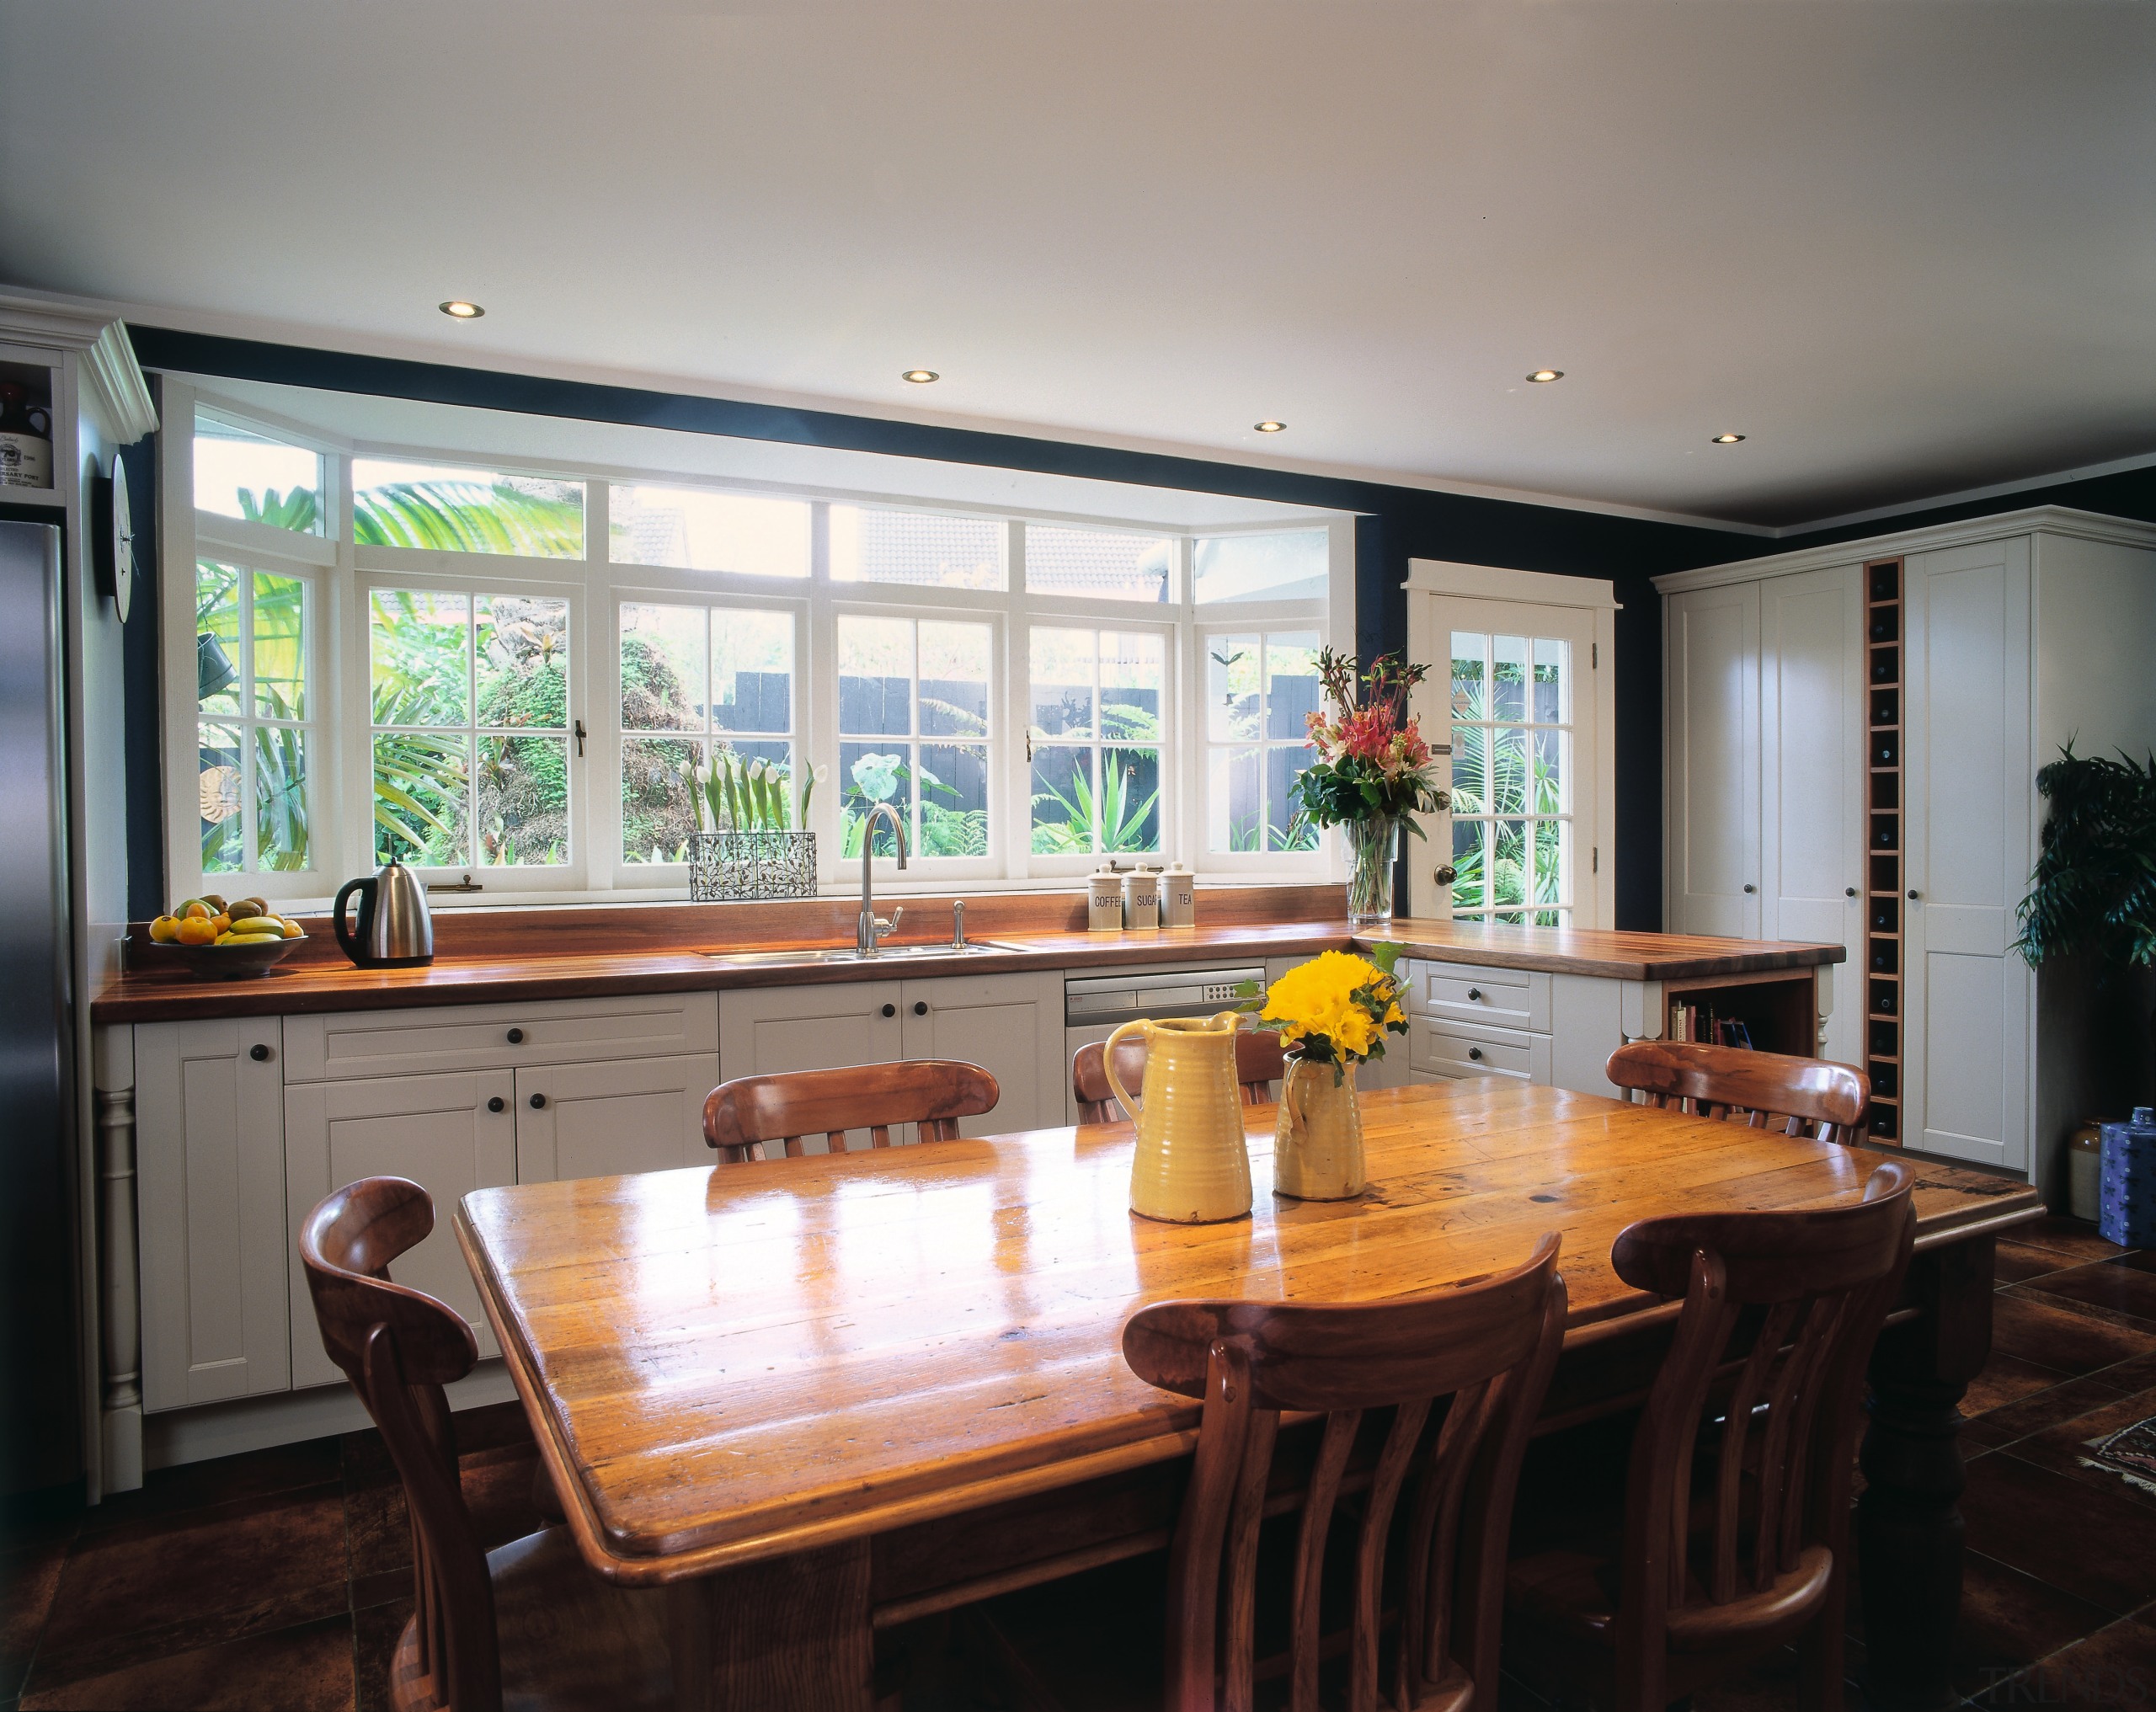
(1474, 993)
(1848, 891)
(538, 1102)
(890, 1010)
(1751, 887)
(516, 1036)
(921, 1007)
(1475, 1052)
(1912, 894)
(498, 1104)
(260, 1054)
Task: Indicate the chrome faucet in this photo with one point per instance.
(957, 923)
(873, 928)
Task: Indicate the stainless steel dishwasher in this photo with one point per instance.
(1094, 1004)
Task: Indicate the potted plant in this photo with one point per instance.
(2093, 898)
(1372, 771)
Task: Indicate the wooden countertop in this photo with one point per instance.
(732, 1363)
(318, 978)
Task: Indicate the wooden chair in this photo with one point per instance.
(1764, 1090)
(526, 1625)
(1489, 1345)
(1259, 1064)
(741, 1116)
(1734, 1538)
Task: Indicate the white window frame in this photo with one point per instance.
(341, 830)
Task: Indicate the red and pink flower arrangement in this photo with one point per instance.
(1372, 763)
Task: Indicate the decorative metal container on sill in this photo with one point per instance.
(747, 850)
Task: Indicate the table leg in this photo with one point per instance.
(1908, 1527)
(789, 1635)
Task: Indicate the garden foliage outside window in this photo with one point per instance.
(1261, 689)
(914, 724)
(255, 731)
(1095, 740)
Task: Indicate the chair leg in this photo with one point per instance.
(1821, 1659)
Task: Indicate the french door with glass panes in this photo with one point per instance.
(1513, 695)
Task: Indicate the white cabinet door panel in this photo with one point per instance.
(1967, 1046)
(439, 1132)
(209, 1131)
(1714, 760)
(608, 1120)
(1011, 1025)
(1814, 771)
(765, 1030)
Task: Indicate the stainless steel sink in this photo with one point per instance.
(846, 954)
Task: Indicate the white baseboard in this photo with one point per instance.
(255, 1423)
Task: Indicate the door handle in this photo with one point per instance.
(538, 1102)
(1749, 887)
(1848, 891)
(1446, 875)
(498, 1104)
(1913, 895)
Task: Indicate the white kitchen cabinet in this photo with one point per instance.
(1966, 1062)
(489, 1036)
(609, 1119)
(1711, 746)
(211, 1195)
(767, 1031)
(450, 1134)
(1011, 1025)
(1812, 772)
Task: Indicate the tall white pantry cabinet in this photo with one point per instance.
(1811, 726)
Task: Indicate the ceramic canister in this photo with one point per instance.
(1104, 902)
(1179, 897)
(1192, 1164)
(1317, 1146)
(1141, 898)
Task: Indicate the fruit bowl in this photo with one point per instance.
(212, 962)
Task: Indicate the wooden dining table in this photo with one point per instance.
(814, 1398)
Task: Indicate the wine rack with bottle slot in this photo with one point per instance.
(1884, 970)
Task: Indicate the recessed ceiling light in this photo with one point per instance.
(1269, 426)
(458, 310)
(1547, 375)
(1727, 439)
(921, 377)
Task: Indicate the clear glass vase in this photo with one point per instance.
(1373, 852)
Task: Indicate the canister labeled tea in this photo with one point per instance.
(1179, 897)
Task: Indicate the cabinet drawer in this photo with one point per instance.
(1515, 998)
(1462, 1049)
(478, 1037)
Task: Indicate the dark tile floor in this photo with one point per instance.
(280, 1580)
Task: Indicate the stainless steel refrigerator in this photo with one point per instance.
(40, 1434)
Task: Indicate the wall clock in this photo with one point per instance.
(112, 538)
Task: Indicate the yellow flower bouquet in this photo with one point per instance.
(1336, 1009)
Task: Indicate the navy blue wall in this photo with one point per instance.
(1396, 524)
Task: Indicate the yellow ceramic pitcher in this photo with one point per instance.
(1193, 1163)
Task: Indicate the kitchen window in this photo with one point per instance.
(255, 735)
(507, 672)
(699, 682)
(1094, 742)
(914, 725)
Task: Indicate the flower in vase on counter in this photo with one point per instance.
(1372, 760)
(733, 795)
(1336, 1009)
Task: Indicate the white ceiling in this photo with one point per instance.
(1907, 248)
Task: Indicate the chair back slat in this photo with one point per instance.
(1762, 1090)
(743, 1117)
(399, 1347)
(1488, 1345)
(1811, 1287)
(1260, 1064)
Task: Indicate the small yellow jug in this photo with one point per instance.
(1193, 1163)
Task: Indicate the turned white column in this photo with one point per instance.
(119, 1288)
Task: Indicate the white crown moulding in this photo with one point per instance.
(117, 390)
